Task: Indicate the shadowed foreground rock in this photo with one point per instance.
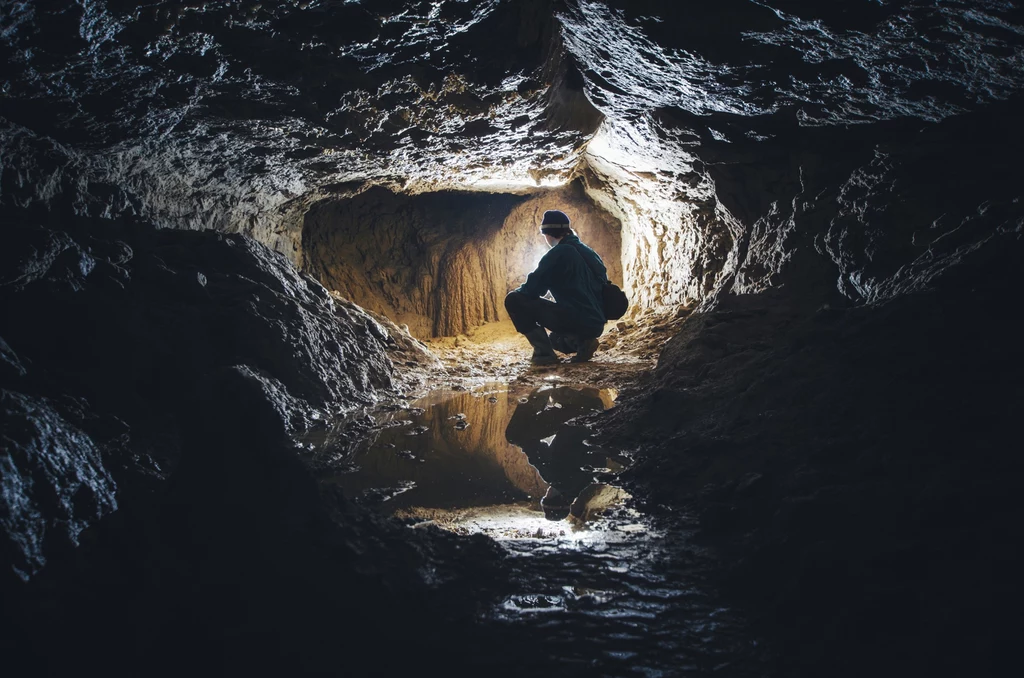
(106, 342)
(854, 466)
(832, 189)
(54, 483)
(242, 564)
(223, 542)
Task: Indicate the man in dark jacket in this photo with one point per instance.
(574, 274)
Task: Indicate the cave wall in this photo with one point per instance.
(208, 115)
(866, 214)
(828, 215)
(857, 158)
(198, 184)
(442, 262)
(810, 149)
(111, 332)
(675, 243)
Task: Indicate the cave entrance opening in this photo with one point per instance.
(441, 263)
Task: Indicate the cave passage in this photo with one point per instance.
(232, 227)
(441, 263)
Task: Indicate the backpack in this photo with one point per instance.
(614, 301)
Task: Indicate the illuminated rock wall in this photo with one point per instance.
(442, 262)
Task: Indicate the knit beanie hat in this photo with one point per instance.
(555, 222)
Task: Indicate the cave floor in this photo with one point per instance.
(496, 352)
(499, 448)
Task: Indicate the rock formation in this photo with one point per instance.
(116, 326)
(834, 187)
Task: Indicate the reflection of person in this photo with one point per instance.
(554, 448)
(574, 274)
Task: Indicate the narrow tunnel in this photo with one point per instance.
(262, 409)
(441, 263)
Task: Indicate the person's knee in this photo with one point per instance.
(514, 301)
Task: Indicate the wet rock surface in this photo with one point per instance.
(54, 484)
(853, 464)
(241, 545)
(818, 212)
(629, 596)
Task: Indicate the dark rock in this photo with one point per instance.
(814, 207)
(54, 484)
(124, 335)
(10, 364)
(750, 484)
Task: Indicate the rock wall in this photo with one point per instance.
(840, 409)
(442, 262)
(834, 183)
(740, 154)
(847, 216)
(864, 220)
(675, 244)
(53, 483)
(109, 333)
(709, 140)
(854, 463)
(194, 115)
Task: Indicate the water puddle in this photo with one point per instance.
(604, 587)
(488, 461)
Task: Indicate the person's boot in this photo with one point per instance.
(543, 354)
(563, 343)
(586, 350)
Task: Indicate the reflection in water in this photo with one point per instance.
(458, 450)
(559, 451)
(617, 598)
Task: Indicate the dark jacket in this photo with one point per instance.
(575, 286)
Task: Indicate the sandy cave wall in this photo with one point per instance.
(443, 262)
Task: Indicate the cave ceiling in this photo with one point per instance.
(248, 106)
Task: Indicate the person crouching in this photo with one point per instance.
(574, 274)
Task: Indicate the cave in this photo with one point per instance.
(441, 263)
(264, 410)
